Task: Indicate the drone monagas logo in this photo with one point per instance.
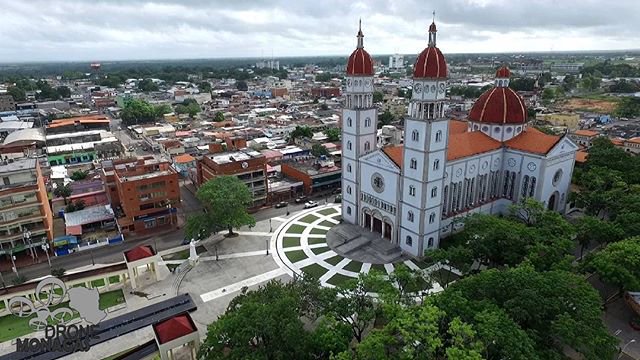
(52, 314)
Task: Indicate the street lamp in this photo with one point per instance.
(26, 236)
(625, 347)
(45, 248)
(13, 263)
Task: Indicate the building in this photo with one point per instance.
(82, 146)
(143, 192)
(325, 92)
(632, 145)
(584, 137)
(26, 221)
(568, 120)
(446, 169)
(315, 174)
(7, 103)
(79, 123)
(248, 165)
(396, 61)
(268, 64)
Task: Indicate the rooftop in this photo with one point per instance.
(18, 165)
(140, 252)
(229, 157)
(89, 215)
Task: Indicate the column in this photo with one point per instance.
(384, 227)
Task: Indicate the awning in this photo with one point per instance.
(65, 240)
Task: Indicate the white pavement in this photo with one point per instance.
(231, 288)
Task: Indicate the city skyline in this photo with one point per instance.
(79, 30)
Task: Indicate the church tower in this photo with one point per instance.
(424, 152)
(359, 126)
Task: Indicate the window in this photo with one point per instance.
(413, 163)
(412, 190)
(434, 192)
(349, 190)
(525, 186)
(348, 145)
(556, 177)
(348, 168)
(415, 136)
(408, 241)
(430, 243)
(436, 164)
(432, 218)
(410, 216)
(348, 210)
(349, 122)
(367, 122)
(532, 189)
(439, 135)
(367, 146)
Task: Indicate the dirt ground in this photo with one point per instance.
(595, 105)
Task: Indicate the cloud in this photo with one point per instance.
(156, 29)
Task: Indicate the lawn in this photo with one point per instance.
(97, 283)
(172, 267)
(421, 264)
(316, 240)
(354, 266)
(114, 279)
(184, 254)
(443, 276)
(339, 279)
(288, 241)
(296, 255)
(296, 229)
(334, 260)
(318, 231)
(12, 326)
(328, 224)
(320, 250)
(379, 267)
(309, 219)
(328, 211)
(314, 270)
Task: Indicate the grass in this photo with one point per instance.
(309, 219)
(12, 326)
(354, 266)
(316, 240)
(172, 267)
(443, 275)
(320, 250)
(334, 260)
(328, 211)
(378, 267)
(97, 283)
(296, 255)
(318, 231)
(421, 264)
(296, 229)
(314, 270)
(328, 224)
(114, 279)
(290, 241)
(339, 279)
(180, 255)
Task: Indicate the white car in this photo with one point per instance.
(310, 204)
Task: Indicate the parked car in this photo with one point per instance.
(300, 199)
(281, 204)
(338, 199)
(310, 204)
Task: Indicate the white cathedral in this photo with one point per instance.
(446, 168)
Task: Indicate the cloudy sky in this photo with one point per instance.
(98, 30)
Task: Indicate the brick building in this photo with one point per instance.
(316, 175)
(325, 92)
(248, 165)
(25, 215)
(144, 193)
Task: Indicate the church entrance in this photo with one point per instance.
(367, 221)
(387, 231)
(377, 225)
(552, 201)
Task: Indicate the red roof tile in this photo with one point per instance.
(360, 63)
(533, 141)
(430, 64)
(458, 127)
(470, 143)
(581, 156)
(499, 105)
(140, 252)
(586, 133)
(173, 328)
(394, 153)
(184, 158)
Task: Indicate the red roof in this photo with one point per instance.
(499, 105)
(173, 328)
(360, 63)
(458, 127)
(140, 252)
(587, 133)
(470, 143)
(503, 72)
(533, 141)
(581, 156)
(394, 153)
(430, 64)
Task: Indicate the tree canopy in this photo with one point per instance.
(188, 106)
(319, 150)
(378, 96)
(618, 264)
(226, 199)
(333, 134)
(148, 85)
(301, 132)
(138, 111)
(218, 117)
(386, 118)
(63, 191)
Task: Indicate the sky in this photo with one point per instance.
(101, 30)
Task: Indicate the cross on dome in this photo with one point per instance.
(432, 31)
(360, 36)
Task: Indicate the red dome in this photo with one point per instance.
(360, 63)
(430, 64)
(503, 72)
(499, 105)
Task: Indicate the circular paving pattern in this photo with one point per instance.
(301, 247)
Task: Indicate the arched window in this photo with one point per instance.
(439, 135)
(525, 186)
(348, 145)
(436, 164)
(348, 168)
(408, 240)
(367, 146)
(410, 216)
(412, 190)
(348, 210)
(413, 163)
(445, 201)
(432, 218)
(532, 189)
(349, 122)
(349, 190)
(415, 136)
(430, 243)
(434, 192)
(367, 122)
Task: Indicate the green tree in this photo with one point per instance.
(17, 93)
(64, 91)
(218, 117)
(618, 264)
(522, 84)
(227, 198)
(137, 111)
(591, 83)
(591, 230)
(148, 85)
(333, 134)
(319, 150)
(378, 96)
(199, 226)
(628, 107)
(160, 110)
(79, 175)
(301, 132)
(242, 85)
(188, 107)
(324, 77)
(569, 83)
(386, 118)
(204, 86)
(63, 191)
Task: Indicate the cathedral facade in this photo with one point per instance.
(445, 169)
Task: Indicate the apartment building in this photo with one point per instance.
(25, 215)
(144, 193)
